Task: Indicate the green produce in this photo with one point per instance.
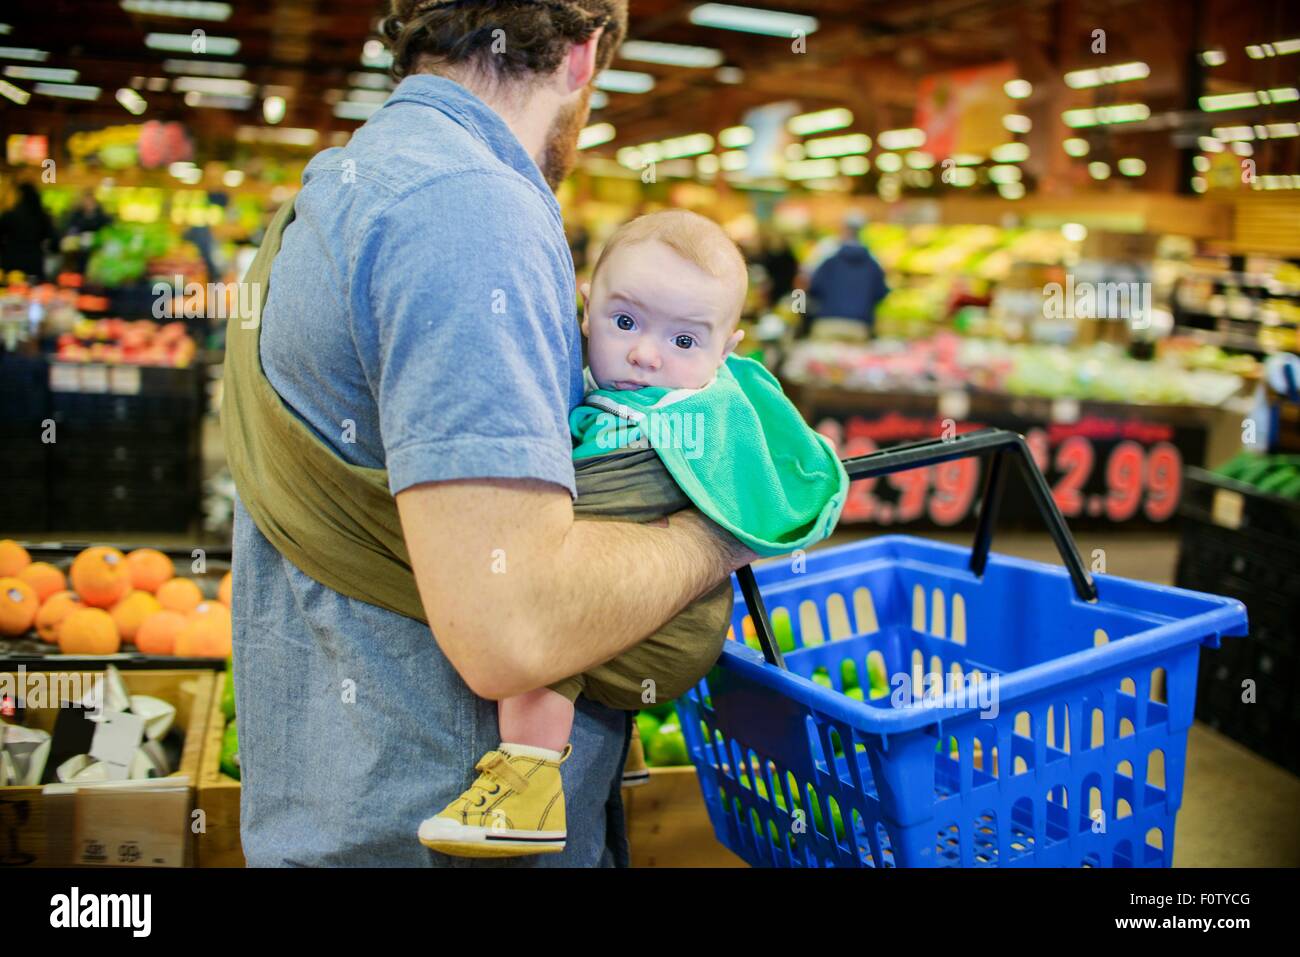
(647, 725)
(668, 749)
(230, 751)
(228, 692)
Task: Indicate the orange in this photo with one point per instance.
(44, 578)
(223, 590)
(179, 594)
(204, 636)
(57, 607)
(157, 635)
(129, 613)
(13, 558)
(18, 606)
(149, 568)
(100, 576)
(89, 631)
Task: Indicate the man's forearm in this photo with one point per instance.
(592, 603)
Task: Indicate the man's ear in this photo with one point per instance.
(581, 65)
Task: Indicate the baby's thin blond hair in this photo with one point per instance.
(697, 239)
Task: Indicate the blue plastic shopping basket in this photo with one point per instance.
(1008, 712)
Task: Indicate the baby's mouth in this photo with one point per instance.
(628, 384)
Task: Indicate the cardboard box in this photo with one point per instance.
(218, 794)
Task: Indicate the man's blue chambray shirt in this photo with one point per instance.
(421, 319)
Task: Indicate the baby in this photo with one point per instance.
(660, 316)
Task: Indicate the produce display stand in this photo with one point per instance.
(1109, 464)
(58, 825)
(1245, 543)
(37, 655)
(1035, 717)
(218, 793)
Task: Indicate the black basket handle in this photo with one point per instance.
(993, 443)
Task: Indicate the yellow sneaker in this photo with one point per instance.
(515, 807)
(635, 771)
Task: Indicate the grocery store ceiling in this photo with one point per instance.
(867, 55)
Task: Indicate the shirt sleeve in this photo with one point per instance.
(474, 340)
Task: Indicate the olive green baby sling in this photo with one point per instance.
(338, 522)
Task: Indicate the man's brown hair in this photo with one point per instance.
(506, 38)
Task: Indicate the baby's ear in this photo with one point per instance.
(585, 291)
(733, 342)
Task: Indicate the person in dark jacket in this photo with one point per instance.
(25, 228)
(86, 219)
(781, 266)
(847, 286)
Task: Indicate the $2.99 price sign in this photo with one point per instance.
(1114, 481)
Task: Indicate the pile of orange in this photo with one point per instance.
(108, 599)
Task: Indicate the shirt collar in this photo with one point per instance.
(479, 119)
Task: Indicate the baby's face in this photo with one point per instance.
(655, 319)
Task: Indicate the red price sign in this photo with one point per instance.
(943, 493)
(1132, 477)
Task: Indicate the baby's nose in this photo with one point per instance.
(644, 356)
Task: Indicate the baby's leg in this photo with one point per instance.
(538, 719)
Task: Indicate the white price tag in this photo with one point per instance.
(1065, 410)
(94, 378)
(65, 377)
(1227, 507)
(954, 404)
(131, 827)
(124, 380)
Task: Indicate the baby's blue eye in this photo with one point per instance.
(684, 342)
(624, 321)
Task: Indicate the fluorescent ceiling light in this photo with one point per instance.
(599, 99)
(794, 152)
(185, 43)
(1209, 144)
(706, 165)
(1103, 115)
(734, 160)
(214, 85)
(350, 110)
(370, 81)
(961, 177)
(1132, 166)
(1011, 190)
(273, 109)
(919, 160)
(45, 73)
(1229, 133)
(6, 29)
(1098, 170)
(215, 101)
(1010, 153)
(625, 81)
(1277, 48)
(812, 169)
(670, 54)
(1005, 174)
(1119, 73)
(771, 23)
(735, 136)
(729, 74)
(1213, 57)
(595, 135)
(820, 121)
(855, 165)
(204, 67)
(1243, 149)
(67, 91)
(845, 145)
(376, 56)
(232, 178)
(889, 162)
(900, 139)
(1238, 101)
(1076, 147)
(1276, 130)
(367, 96)
(288, 135)
(132, 101)
(11, 92)
(179, 9)
(1201, 164)
(692, 144)
(966, 159)
(1017, 123)
(1018, 89)
(24, 53)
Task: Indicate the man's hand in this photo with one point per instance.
(519, 595)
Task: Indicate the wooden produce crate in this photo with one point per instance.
(218, 794)
(668, 825)
(136, 823)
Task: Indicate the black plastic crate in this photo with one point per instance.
(24, 508)
(1243, 543)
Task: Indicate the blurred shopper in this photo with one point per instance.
(25, 231)
(87, 218)
(781, 266)
(846, 288)
(418, 353)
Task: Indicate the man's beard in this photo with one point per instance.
(561, 149)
